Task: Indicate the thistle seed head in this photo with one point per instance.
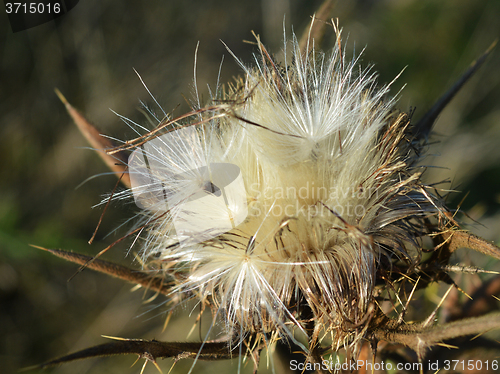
(284, 200)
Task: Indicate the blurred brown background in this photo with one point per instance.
(90, 53)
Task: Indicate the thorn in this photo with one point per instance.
(173, 364)
(118, 271)
(29, 368)
(157, 366)
(118, 162)
(167, 320)
(135, 362)
(114, 338)
(317, 28)
(467, 269)
(403, 312)
(429, 319)
(425, 124)
(465, 293)
(61, 97)
(449, 346)
(191, 330)
(478, 335)
(144, 366)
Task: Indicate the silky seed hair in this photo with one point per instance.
(281, 201)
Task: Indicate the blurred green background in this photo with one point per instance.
(90, 53)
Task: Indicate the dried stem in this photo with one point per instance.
(420, 339)
(157, 284)
(461, 239)
(147, 349)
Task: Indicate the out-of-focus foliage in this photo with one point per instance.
(90, 53)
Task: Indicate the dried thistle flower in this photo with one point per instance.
(292, 204)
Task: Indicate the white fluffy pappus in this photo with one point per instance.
(280, 202)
